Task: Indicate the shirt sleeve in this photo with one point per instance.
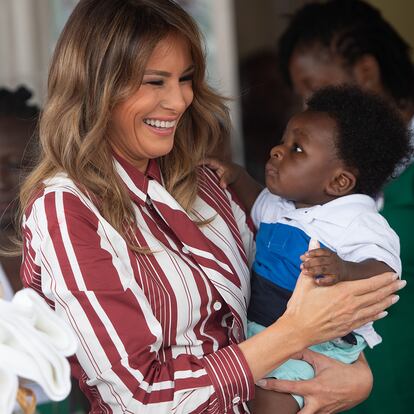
(91, 285)
(370, 237)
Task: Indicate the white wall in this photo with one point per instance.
(24, 44)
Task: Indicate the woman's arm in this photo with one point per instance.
(335, 388)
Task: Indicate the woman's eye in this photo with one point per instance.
(154, 82)
(187, 78)
(297, 148)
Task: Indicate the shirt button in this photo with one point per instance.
(185, 250)
(217, 305)
(236, 399)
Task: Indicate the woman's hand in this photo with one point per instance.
(336, 386)
(322, 313)
(317, 314)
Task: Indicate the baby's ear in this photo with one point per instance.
(342, 183)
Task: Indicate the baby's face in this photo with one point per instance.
(302, 165)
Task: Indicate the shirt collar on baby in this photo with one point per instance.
(340, 211)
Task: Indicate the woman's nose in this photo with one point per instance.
(174, 99)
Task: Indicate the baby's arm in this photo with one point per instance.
(244, 185)
(328, 268)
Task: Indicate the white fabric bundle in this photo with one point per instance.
(8, 390)
(34, 342)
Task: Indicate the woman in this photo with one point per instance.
(142, 252)
(344, 41)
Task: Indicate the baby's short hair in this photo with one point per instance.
(371, 137)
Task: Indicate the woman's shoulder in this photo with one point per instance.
(209, 185)
(59, 194)
(207, 175)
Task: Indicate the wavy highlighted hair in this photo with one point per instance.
(98, 62)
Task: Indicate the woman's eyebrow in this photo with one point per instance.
(164, 73)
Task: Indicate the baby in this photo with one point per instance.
(321, 184)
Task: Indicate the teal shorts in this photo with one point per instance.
(294, 369)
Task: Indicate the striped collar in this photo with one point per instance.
(135, 180)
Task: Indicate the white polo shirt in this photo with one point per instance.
(350, 225)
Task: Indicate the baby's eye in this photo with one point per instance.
(297, 148)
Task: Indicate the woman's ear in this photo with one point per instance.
(367, 74)
(342, 183)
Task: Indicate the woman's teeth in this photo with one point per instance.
(159, 124)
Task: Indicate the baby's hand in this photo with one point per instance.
(324, 265)
(228, 172)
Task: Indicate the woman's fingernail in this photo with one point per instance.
(382, 315)
(401, 284)
(261, 383)
(395, 276)
(395, 299)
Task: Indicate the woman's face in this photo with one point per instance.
(314, 68)
(144, 125)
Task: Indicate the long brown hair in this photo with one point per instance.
(99, 61)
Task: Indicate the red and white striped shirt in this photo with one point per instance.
(157, 332)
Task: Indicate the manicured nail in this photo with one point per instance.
(395, 276)
(382, 315)
(395, 299)
(401, 284)
(261, 383)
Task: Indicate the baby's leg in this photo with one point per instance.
(272, 402)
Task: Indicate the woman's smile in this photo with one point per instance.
(161, 126)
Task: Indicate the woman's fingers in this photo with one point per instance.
(310, 408)
(361, 287)
(388, 291)
(373, 312)
(370, 306)
(322, 313)
(307, 389)
(286, 386)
